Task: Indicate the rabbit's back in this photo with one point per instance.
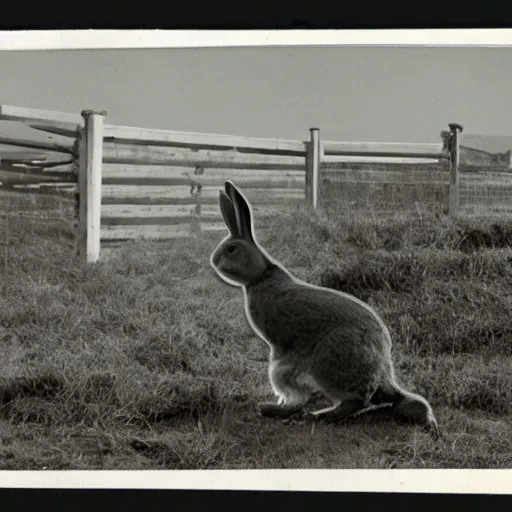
(295, 316)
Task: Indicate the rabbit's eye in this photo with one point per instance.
(231, 249)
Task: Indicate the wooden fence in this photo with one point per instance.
(132, 182)
(140, 183)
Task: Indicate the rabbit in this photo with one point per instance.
(321, 340)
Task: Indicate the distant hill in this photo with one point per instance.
(488, 143)
(485, 150)
(477, 150)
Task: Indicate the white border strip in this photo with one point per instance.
(434, 480)
(98, 39)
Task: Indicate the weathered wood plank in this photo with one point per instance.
(64, 167)
(9, 179)
(208, 211)
(170, 210)
(113, 172)
(245, 178)
(18, 155)
(63, 129)
(159, 220)
(156, 175)
(160, 232)
(151, 137)
(211, 227)
(338, 159)
(12, 113)
(120, 171)
(146, 221)
(184, 181)
(173, 171)
(60, 166)
(10, 153)
(151, 193)
(63, 189)
(11, 171)
(399, 149)
(202, 221)
(146, 201)
(116, 153)
(402, 176)
(27, 198)
(55, 143)
(145, 232)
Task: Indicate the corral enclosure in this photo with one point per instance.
(125, 182)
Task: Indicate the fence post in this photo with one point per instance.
(89, 185)
(312, 167)
(453, 192)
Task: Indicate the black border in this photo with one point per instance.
(258, 14)
(209, 500)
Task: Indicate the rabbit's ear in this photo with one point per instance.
(242, 211)
(228, 213)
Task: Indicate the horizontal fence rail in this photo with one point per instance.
(28, 115)
(123, 174)
(159, 138)
(135, 154)
(380, 149)
(54, 143)
(136, 194)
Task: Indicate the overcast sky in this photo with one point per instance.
(353, 94)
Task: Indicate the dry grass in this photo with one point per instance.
(146, 360)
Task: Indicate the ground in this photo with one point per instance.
(145, 360)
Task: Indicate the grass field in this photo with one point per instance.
(145, 361)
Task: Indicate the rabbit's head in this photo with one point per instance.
(238, 259)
